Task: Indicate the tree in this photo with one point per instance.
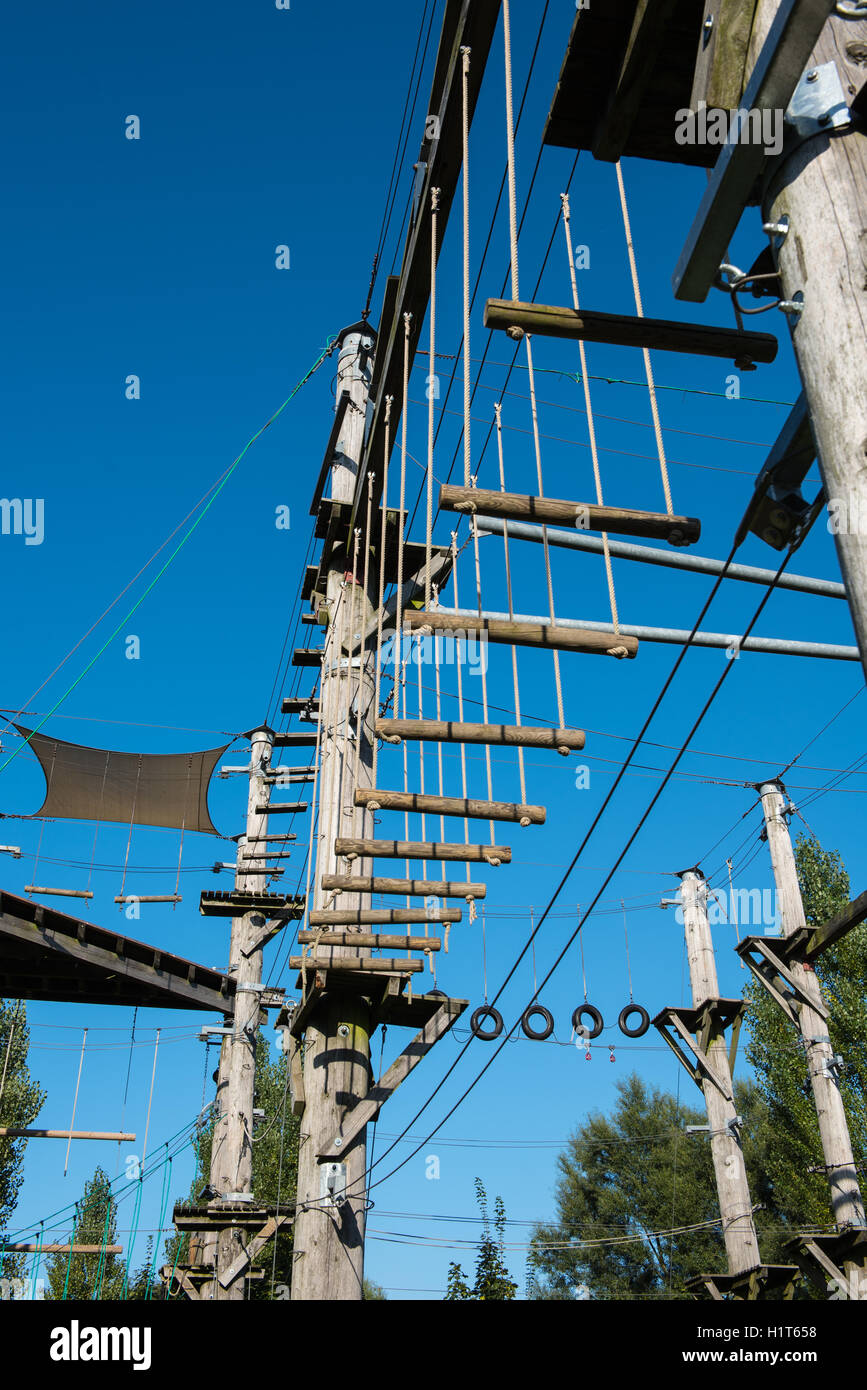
(492, 1276)
(90, 1277)
(21, 1099)
(373, 1293)
(793, 1145)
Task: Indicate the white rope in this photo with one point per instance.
(75, 1103)
(428, 540)
(380, 610)
(460, 691)
(358, 818)
(521, 771)
(510, 148)
(558, 684)
(465, 55)
(651, 387)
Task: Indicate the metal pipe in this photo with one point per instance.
(651, 555)
(780, 646)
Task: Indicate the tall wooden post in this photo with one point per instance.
(846, 1200)
(329, 1228)
(232, 1146)
(822, 189)
(735, 1204)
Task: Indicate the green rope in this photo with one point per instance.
(37, 1259)
(152, 1267)
(100, 1268)
(175, 1265)
(69, 1256)
(132, 1237)
(202, 514)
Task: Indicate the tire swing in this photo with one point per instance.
(530, 1030)
(581, 1028)
(639, 1029)
(477, 1023)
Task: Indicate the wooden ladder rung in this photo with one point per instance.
(515, 634)
(371, 964)
(150, 898)
(381, 916)
(451, 731)
(373, 940)
(377, 800)
(628, 330)
(285, 808)
(584, 516)
(57, 892)
(494, 855)
(409, 887)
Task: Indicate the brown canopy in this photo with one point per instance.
(166, 789)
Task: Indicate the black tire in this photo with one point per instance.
(592, 1012)
(486, 1034)
(537, 1034)
(642, 1026)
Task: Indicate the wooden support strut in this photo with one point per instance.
(382, 916)
(8, 1132)
(508, 735)
(516, 634)
(494, 855)
(625, 330)
(371, 964)
(378, 800)
(375, 941)
(585, 516)
(409, 887)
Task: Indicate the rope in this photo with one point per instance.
(521, 770)
(362, 657)
(465, 112)
(131, 823)
(69, 1256)
(74, 1103)
(651, 388)
(150, 1099)
(510, 149)
(558, 684)
(483, 667)
(581, 952)
(626, 936)
(380, 610)
(428, 541)
(591, 425)
(402, 504)
(463, 746)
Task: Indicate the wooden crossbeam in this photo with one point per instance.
(30, 1247)
(626, 330)
(296, 738)
(356, 1119)
(378, 800)
(635, 77)
(518, 634)
(829, 932)
(585, 516)
(368, 963)
(9, 1132)
(56, 892)
(382, 916)
(283, 808)
(773, 973)
(348, 848)
(454, 731)
(150, 898)
(374, 940)
(409, 887)
(253, 1248)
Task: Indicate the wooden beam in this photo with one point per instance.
(374, 940)
(422, 849)
(29, 1247)
(371, 964)
(832, 931)
(56, 892)
(585, 516)
(7, 1132)
(720, 66)
(645, 41)
(517, 634)
(285, 808)
(506, 735)
(150, 898)
(409, 887)
(626, 330)
(295, 738)
(379, 800)
(382, 916)
(399, 1070)
(260, 1240)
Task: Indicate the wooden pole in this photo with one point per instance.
(232, 1147)
(846, 1200)
(329, 1231)
(821, 187)
(735, 1205)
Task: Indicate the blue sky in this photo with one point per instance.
(156, 257)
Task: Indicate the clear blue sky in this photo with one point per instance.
(156, 257)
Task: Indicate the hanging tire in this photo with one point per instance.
(484, 1011)
(537, 1034)
(592, 1013)
(639, 1029)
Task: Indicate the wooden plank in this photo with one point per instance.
(254, 1247)
(399, 1070)
(636, 71)
(378, 800)
(626, 330)
(832, 931)
(382, 916)
(299, 704)
(422, 849)
(286, 808)
(374, 940)
(8, 1132)
(410, 887)
(150, 898)
(308, 656)
(516, 634)
(720, 67)
(585, 516)
(29, 1247)
(506, 735)
(56, 892)
(295, 738)
(366, 963)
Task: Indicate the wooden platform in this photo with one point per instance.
(285, 808)
(824, 1256)
(514, 634)
(494, 855)
(296, 738)
(625, 330)
(374, 941)
(389, 1003)
(400, 887)
(308, 656)
(753, 1285)
(233, 903)
(219, 1216)
(505, 735)
(417, 802)
(585, 516)
(298, 704)
(382, 916)
(370, 964)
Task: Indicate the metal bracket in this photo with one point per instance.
(332, 1181)
(818, 105)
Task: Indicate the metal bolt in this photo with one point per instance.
(825, 118)
(813, 75)
(707, 29)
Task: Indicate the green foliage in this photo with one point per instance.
(373, 1293)
(492, 1280)
(777, 1057)
(21, 1100)
(98, 1276)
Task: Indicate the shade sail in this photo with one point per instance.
(165, 789)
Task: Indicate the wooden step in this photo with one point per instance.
(57, 892)
(296, 738)
(410, 887)
(627, 330)
(372, 964)
(571, 639)
(150, 898)
(233, 903)
(298, 704)
(381, 916)
(346, 848)
(451, 731)
(584, 516)
(378, 800)
(308, 656)
(282, 808)
(373, 940)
